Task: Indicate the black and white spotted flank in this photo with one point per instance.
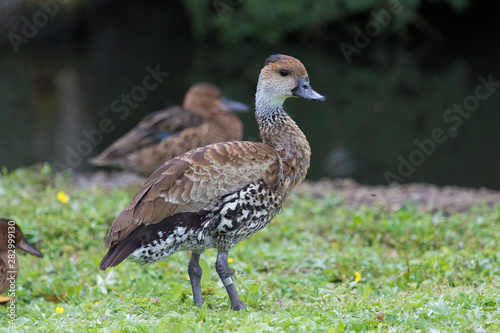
(238, 216)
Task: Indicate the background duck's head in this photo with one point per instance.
(283, 77)
(206, 99)
(7, 229)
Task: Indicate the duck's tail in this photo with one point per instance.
(144, 235)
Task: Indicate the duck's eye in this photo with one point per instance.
(283, 72)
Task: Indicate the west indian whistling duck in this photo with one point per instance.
(206, 117)
(11, 239)
(218, 195)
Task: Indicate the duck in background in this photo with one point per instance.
(11, 234)
(218, 195)
(206, 117)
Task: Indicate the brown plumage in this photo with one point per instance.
(218, 195)
(11, 240)
(206, 117)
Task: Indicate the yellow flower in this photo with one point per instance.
(230, 260)
(59, 310)
(98, 302)
(357, 276)
(63, 197)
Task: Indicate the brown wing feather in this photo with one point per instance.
(174, 119)
(147, 133)
(194, 180)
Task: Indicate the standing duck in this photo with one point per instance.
(205, 117)
(220, 194)
(8, 264)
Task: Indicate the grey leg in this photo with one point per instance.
(223, 270)
(195, 271)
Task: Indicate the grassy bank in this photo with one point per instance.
(320, 266)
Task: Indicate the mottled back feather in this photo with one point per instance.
(193, 181)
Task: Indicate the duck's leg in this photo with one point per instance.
(223, 270)
(195, 271)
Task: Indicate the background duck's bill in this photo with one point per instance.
(234, 105)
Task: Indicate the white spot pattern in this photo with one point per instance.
(236, 217)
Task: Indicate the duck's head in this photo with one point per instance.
(283, 77)
(206, 99)
(8, 228)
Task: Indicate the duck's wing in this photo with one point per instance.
(171, 121)
(150, 131)
(195, 180)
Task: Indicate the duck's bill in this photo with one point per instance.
(97, 161)
(304, 90)
(234, 105)
(24, 245)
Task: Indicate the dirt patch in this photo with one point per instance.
(428, 197)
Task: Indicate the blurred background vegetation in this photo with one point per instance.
(275, 22)
(62, 77)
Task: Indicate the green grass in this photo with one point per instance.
(419, 272)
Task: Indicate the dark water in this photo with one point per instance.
(389, 116)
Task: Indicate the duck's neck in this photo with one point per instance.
(7, 270)
(282, 133)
